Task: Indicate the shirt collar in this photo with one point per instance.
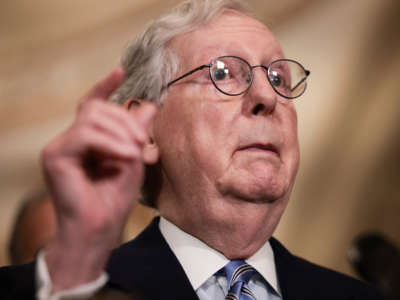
(200, 262)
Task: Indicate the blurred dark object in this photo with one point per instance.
(34, 227)
(377, 260)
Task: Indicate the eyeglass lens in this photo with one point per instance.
(233, 76)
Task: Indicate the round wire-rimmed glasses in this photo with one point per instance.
(233, 76)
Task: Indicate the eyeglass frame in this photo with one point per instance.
(266, 68)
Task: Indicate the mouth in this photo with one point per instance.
(259, 147)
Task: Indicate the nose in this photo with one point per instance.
(260, 98)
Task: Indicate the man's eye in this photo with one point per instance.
(276, 80)
(221, 74)
(248, 79)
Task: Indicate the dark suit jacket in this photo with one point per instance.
(146, 268)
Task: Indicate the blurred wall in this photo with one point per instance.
(348, 126)
(51, 52)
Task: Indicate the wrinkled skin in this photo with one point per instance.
(229, 162)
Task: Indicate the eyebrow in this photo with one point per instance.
(229, 50)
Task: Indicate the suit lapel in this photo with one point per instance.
(286, 275)
(146, 266)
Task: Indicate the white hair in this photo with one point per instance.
(149, 64)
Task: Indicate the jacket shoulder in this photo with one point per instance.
(330, 280)
(317, 282)
(17, 282)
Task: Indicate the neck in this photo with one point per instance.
(235, 228)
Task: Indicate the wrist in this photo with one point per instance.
(76, 258)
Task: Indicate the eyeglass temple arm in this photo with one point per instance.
(187, 74)
(301, 81)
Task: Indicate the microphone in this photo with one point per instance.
(377, 261)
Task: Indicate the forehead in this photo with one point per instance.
(230, 33)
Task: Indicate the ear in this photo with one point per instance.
(150, 153)
(131, 103)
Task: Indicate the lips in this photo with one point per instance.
(260, 147)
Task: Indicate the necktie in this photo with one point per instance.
(238, 274)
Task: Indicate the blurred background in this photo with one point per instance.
(51, 52)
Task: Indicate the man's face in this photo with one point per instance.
(215, 149)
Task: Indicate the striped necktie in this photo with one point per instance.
(238, 274)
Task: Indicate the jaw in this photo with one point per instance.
(235, 213)
(259, 180)
(240, 229)
(234, 227)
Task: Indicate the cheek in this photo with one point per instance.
(188, 132)
(168, 132)
(197, 133)
(292, 131)
(214, 130)
(291, 153)
(209, 120)
(211, 139)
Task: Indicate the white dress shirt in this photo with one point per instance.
(200, 263)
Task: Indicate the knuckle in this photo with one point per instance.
(49, 154)
(81, 105)
(89, 113)
(86, 105)
(83, 132)
(46, 153)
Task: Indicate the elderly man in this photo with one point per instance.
(221, 147)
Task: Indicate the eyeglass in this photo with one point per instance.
(233, 76)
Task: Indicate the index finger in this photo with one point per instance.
(104, 88)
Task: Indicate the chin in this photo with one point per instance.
(257, 181)
(259, 195)
(263, 189)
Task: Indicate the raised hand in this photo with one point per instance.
(94, 171)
